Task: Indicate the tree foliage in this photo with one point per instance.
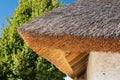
(17, 60)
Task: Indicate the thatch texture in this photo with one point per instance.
(66, 35)
(90, 18)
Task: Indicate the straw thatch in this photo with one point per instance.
(90, 18)
(66, 35)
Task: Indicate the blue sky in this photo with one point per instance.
(7, 7)
(69, 1)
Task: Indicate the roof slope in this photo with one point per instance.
(89, 18)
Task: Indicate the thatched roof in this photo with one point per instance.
(66, 35)
(89, 18)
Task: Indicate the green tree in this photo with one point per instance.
(17, 60)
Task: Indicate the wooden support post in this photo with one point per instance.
(104, 66)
